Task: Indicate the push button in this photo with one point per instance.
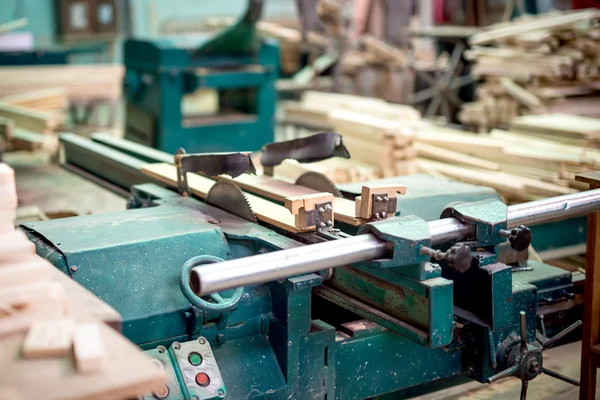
(202, 379)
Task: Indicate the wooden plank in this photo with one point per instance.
(523, 96)
(36, 121)
(35, 270)
(43, 99)
(301, 206)
(265, 210)
(278, 190)
(560, 124)
(548, 22)
(440, 154)
(49, 338)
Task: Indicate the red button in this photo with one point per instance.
(202, 379)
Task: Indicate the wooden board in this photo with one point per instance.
(129, 372)
(265, 210)
(278, 190)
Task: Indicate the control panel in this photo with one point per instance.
(192, 371)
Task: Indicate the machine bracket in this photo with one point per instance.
(380, 201)
(312, 210)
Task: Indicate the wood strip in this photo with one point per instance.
(278, 190)
(440, 154)
(265, 210)
(32, 120)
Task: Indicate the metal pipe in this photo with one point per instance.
(282, 264)
(311, 258)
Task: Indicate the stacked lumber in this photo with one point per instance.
(538, 64)
(368, 126)
(80, 82)
(27, 294)
(537, 158)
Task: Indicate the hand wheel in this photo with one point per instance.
(218, 304)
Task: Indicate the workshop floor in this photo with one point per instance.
(53, 189)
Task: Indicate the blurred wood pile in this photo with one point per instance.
(368, 126)
(35, 100)
(537, 157)
(539, 64)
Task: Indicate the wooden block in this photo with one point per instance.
(34, 269)
(90, 354)
(18, 297)
(12, 322)
(366, 198)
(49, 338)
(15, 247)
(301, 205)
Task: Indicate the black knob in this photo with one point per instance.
(519, 238)
(459, 257)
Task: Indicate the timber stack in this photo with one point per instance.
(537, 156)
(373, 131)
(536, 64)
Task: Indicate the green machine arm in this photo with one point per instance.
(240, 38)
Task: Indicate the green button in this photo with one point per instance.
(195, 358)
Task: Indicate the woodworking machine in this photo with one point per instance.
(164, 75)
(248, 286)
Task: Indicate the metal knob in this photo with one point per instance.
(519, 238)
(458, 257)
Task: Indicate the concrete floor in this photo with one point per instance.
(53, 189)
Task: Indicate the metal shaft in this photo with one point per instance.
(311, 258)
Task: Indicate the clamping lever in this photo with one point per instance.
(457, 257)
(519, 238)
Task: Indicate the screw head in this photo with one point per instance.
(383, 214)
(327, 207)
(221, 393)
(74, 268)
(201, 340)
(385, 198)
(322, 224)
(329, 223)
(378, 198)
(221, 338)
(321, 210)
(176, 345)
(377, 216)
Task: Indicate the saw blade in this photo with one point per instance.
(320, 182)
(229, 197)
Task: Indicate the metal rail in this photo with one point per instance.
(311, 258)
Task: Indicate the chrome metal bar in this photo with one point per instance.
(311, 258)
(282, 264)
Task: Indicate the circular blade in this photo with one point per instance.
(229, 197)
(320, 182)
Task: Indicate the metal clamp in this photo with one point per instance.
(378, 202)
(313, 210)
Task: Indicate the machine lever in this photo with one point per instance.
(519, 238)
(458, 256)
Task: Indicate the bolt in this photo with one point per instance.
(327, 207)
(329, 223)
(378, 198)
(534, 366)
(385, 198)
(221, 393)
(322, 224)
(176, 345)
(74, 268)
(201, 340)
(377, 216)
(383, 214)
(221, 338)
(321, 210)
(290, 343)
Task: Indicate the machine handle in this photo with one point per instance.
(219, 303)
